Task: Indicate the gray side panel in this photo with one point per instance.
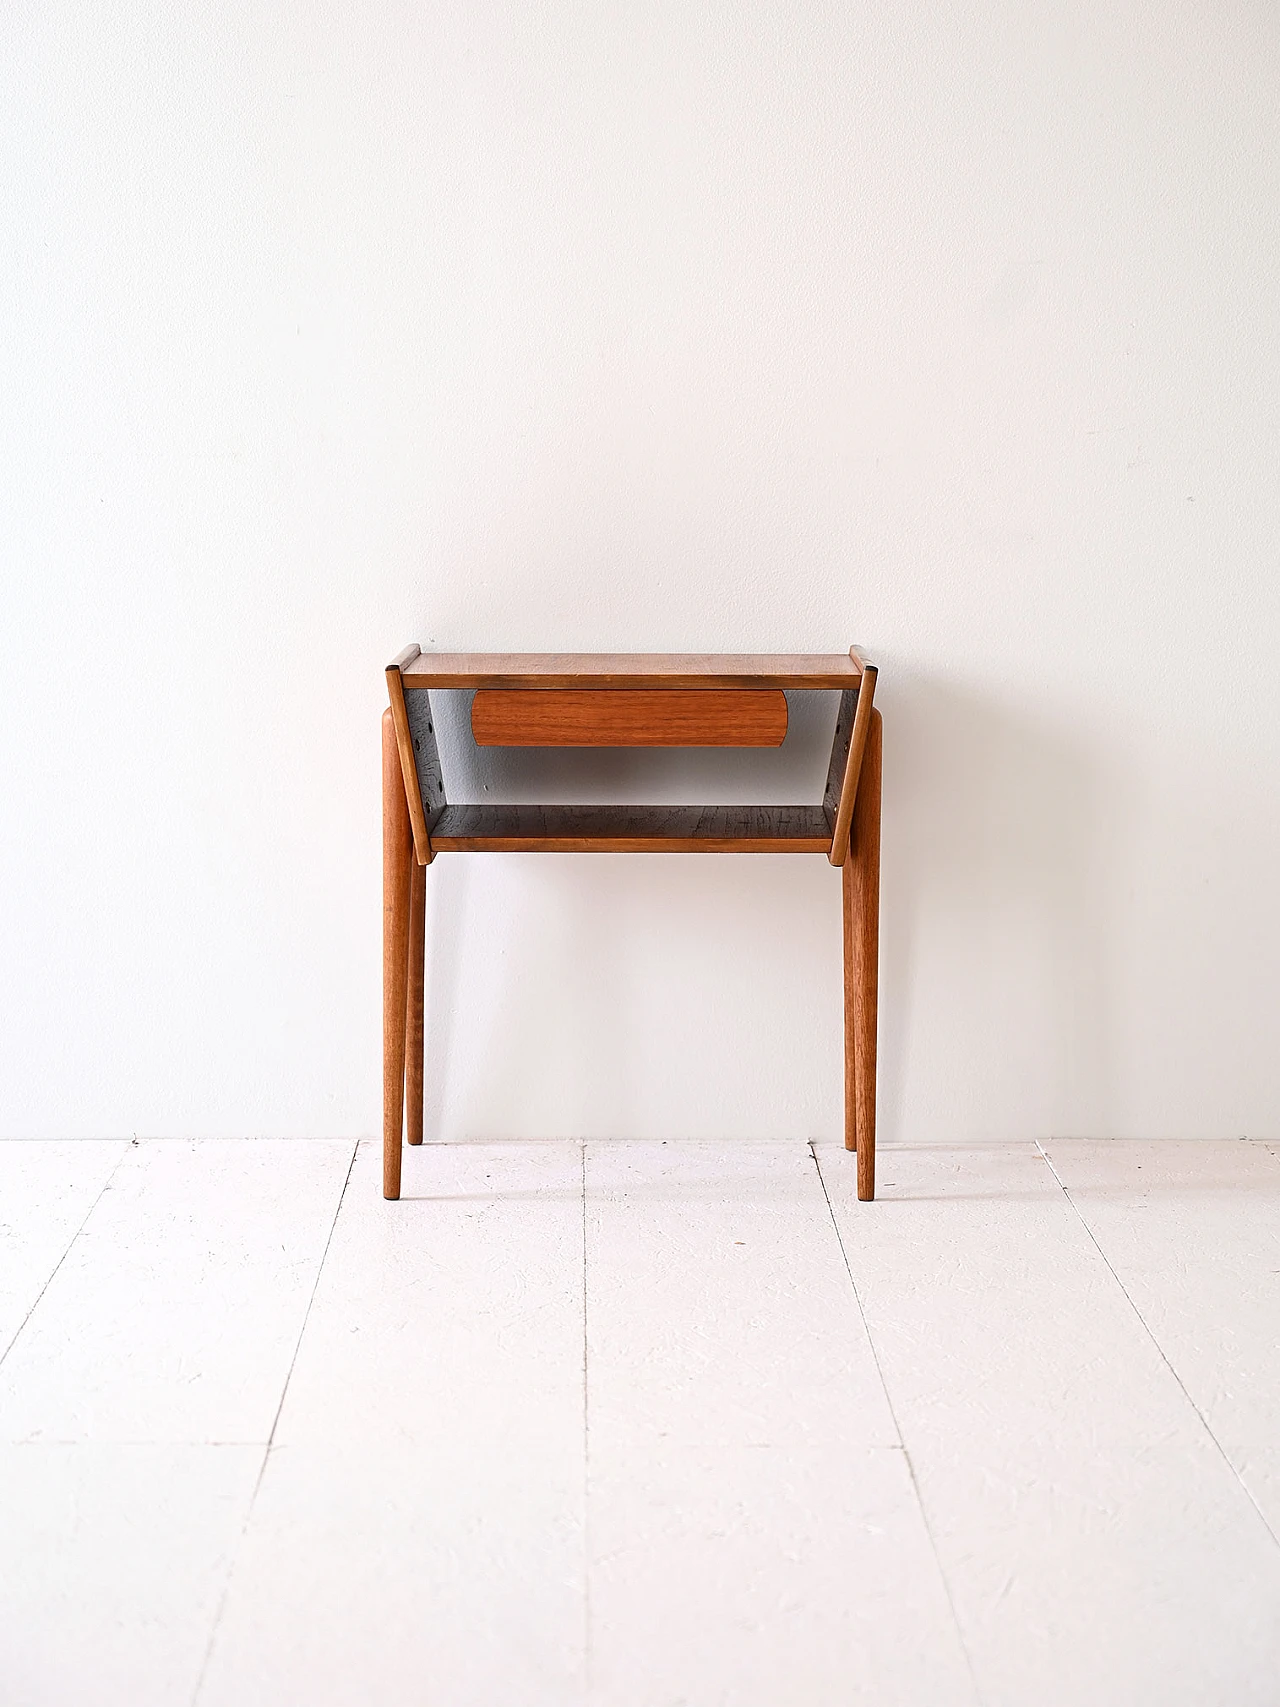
(417, 705)
(839, 752)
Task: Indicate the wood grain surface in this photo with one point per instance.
(861, 878)
(632, 829)
(414, 1013)
(408, 763)
(397, 860)
(629, 717)
(853, 766)
(630, 670)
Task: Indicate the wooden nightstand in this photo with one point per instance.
(624, 700)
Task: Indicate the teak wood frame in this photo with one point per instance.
(418, 822)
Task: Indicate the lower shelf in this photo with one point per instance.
(631, 829)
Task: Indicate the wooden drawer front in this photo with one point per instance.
(628, 717)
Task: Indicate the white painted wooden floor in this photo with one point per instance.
(630, 1424)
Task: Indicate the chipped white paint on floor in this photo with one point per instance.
(640, 1425)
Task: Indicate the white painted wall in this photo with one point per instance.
(951, 330)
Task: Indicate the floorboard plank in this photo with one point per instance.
(754, 1533)
(720, 1505)
(175, 1316)
(719, 1305)
(756, 1575)
(46, 1190)
(1096, 1546)
(420, 1522)
(112, 1563)
(1192, 1230)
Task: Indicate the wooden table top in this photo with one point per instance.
(629, 669)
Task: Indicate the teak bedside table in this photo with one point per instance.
(624, 700)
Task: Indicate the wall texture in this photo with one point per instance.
(950, 330)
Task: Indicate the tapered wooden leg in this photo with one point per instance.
(850, 1007)
(862, 925)
(413, 1024)
(397, 852)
